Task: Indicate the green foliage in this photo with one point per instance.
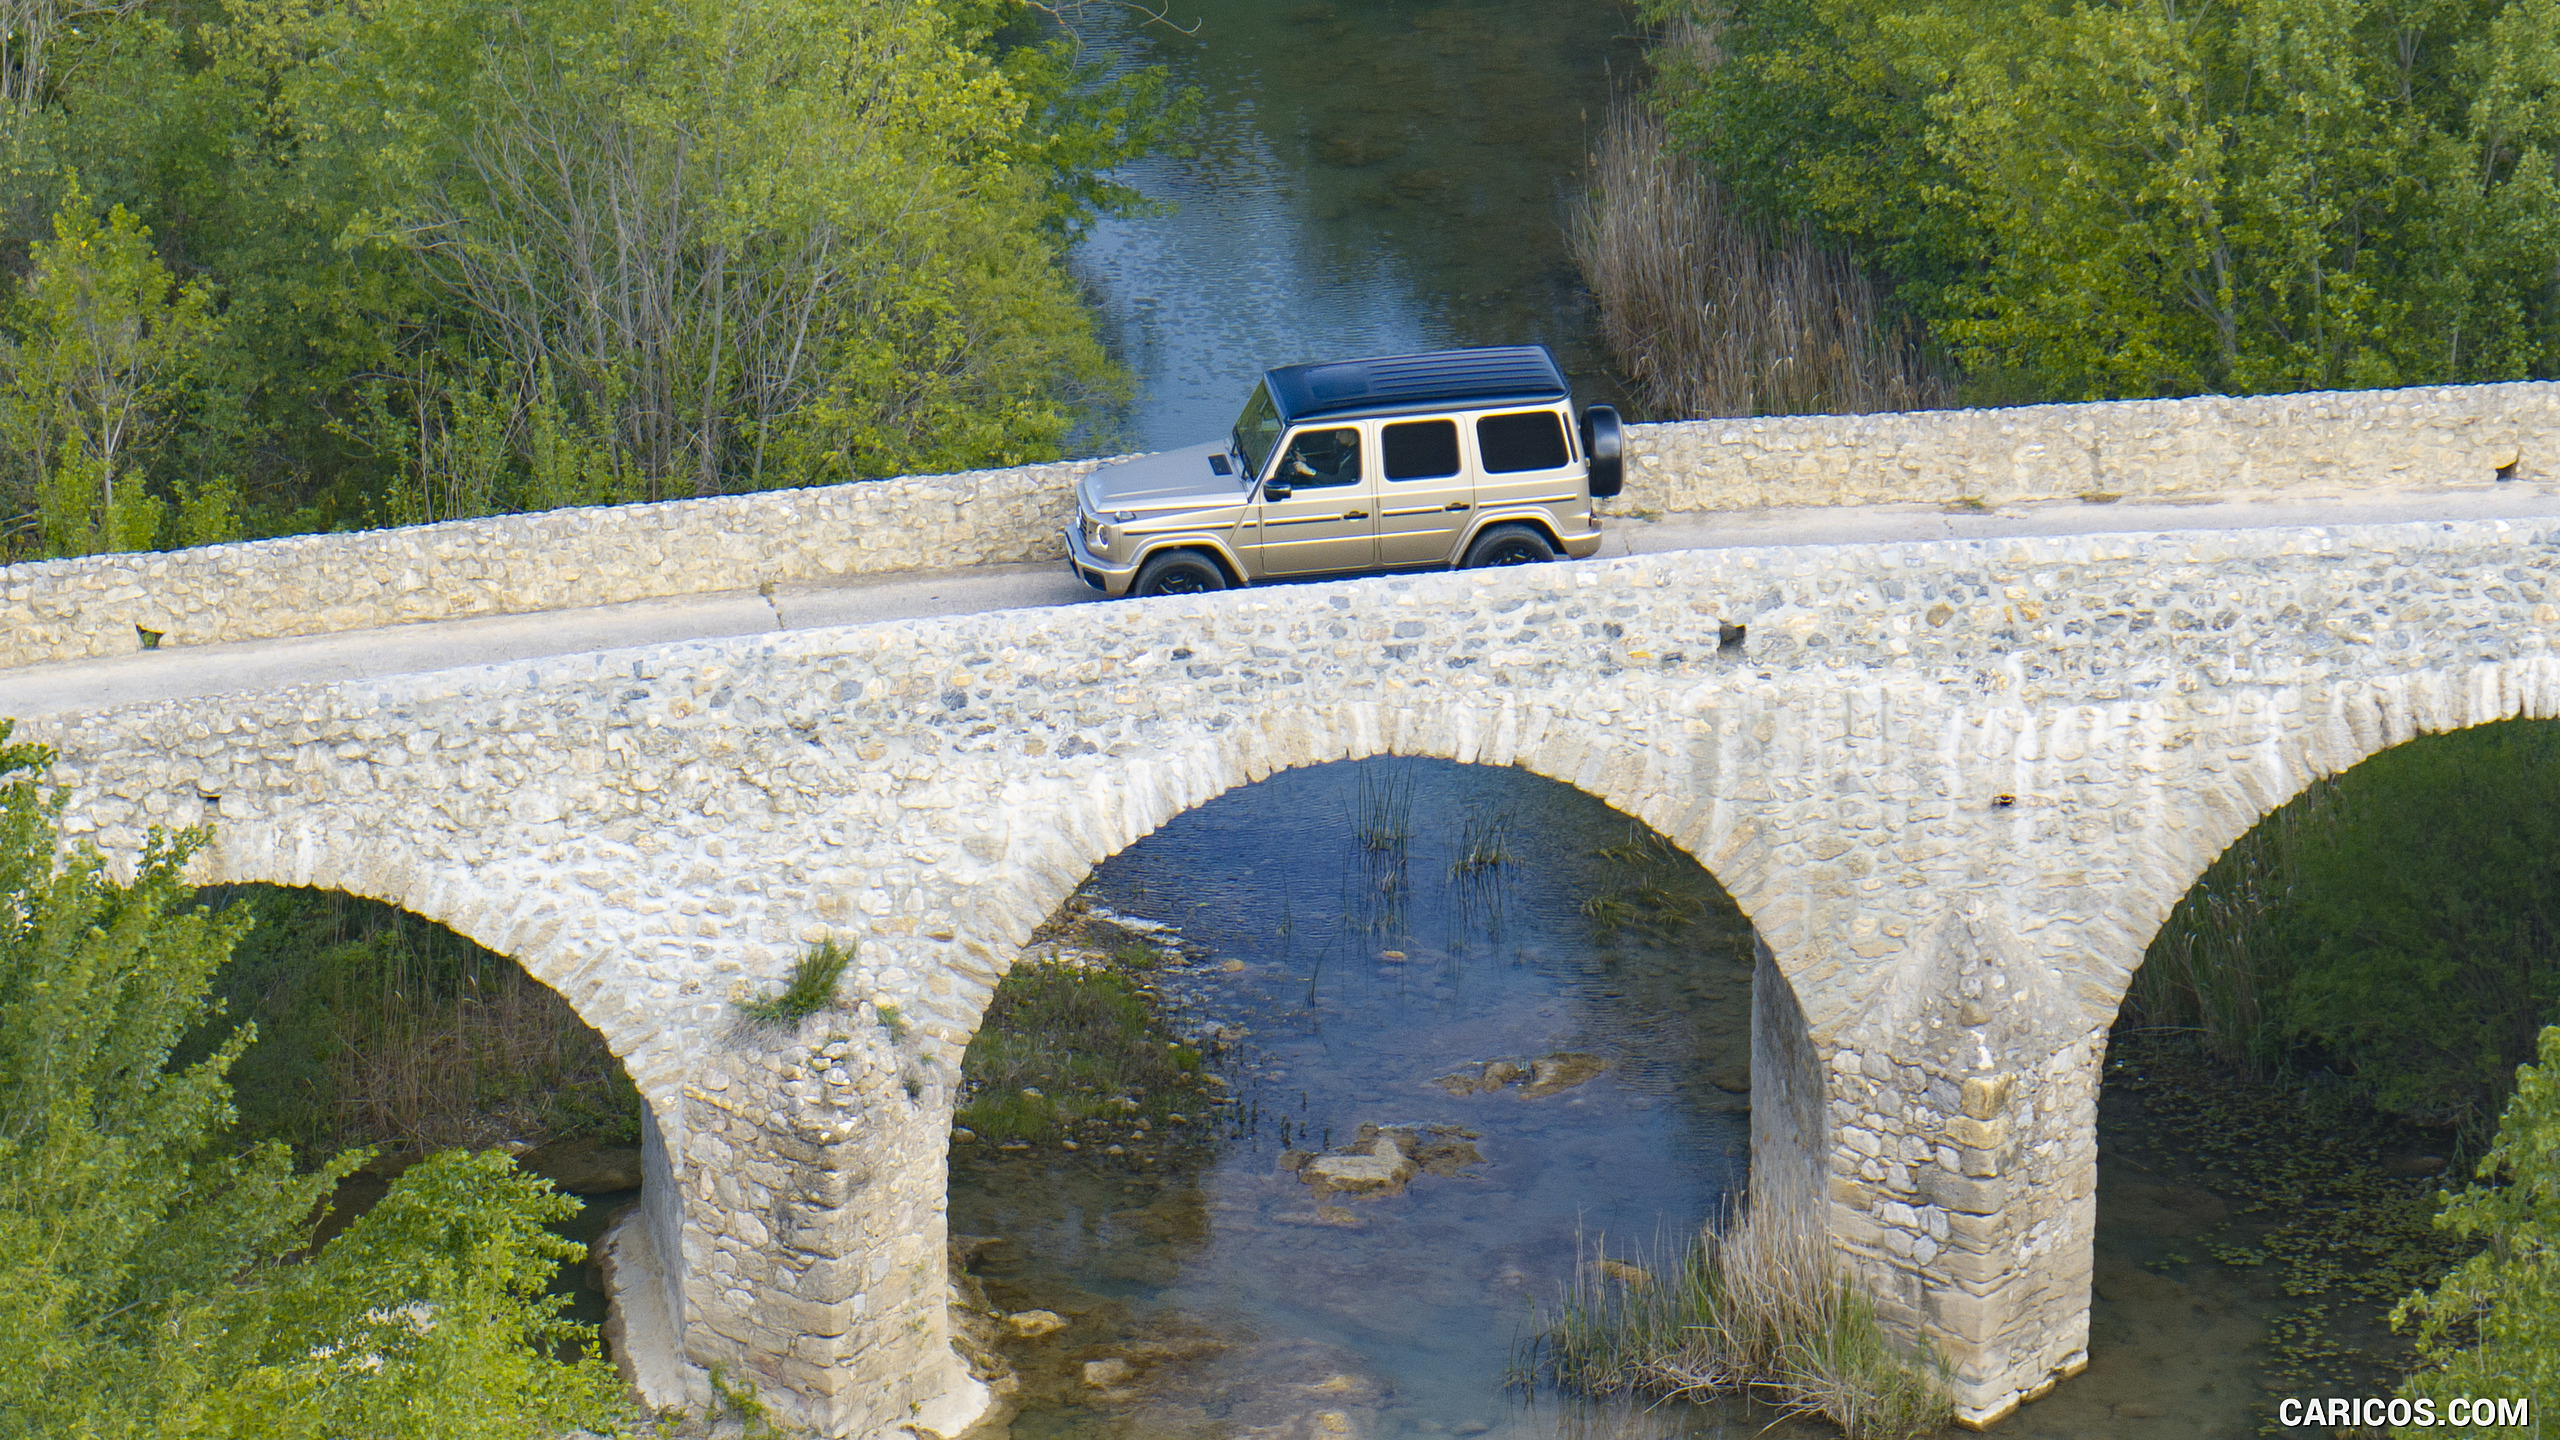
(99, 347)
(471, 258)
(2423, 872)
(122, 1222)
(428, 1317)
(379, 1028)
(2493, 1326)
(811, 988)
(143, 1289)
(2092, 200)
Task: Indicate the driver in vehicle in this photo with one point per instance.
(1322, 457)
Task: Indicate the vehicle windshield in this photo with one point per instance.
(1257, 430)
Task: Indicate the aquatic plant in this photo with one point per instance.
(1748, 1306)
(1065, 1047)
(1382, 809)
(1484, 843)
(811, 988)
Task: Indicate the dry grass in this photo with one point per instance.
(1750, 1308)
(1710, 313)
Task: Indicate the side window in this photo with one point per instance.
(1525, 440)
(1420, 449)
(1321, 457)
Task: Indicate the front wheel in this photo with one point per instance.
(1179, 572)
(1509, 545)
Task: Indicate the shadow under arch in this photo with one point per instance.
(524, 924)
(1403, 980)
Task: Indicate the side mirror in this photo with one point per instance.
(1275, 488)
(1604, 440)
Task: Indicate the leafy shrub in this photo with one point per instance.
(143, 1284)
(2493, 1326)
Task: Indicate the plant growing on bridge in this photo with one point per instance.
(811, 988)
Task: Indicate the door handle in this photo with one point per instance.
(1455, 505)
(1355, 514)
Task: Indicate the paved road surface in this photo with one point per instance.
(89, 685)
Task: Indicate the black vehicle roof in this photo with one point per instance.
(1401, 384)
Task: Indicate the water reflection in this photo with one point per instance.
(1371, 177)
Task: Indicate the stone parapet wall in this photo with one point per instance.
(2213, 446)
(568, 559)
(525, 564)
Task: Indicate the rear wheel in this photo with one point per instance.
(1179, 572)
(1509, 545)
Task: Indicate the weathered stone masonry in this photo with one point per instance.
(1956, 787)
(521, 564)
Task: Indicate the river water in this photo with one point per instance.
(1343, 978)
(1370, 176)
(1349, 977)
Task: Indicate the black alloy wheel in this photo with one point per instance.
(1182, 572)
(1509, 545)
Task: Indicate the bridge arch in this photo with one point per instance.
(521, 923)
(2277, 750)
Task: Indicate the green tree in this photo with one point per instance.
(144, 1289)
(738, 245)
(104, 341)
(2493, 1326)
(2134, 197)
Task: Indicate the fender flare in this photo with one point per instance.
(1214, 546)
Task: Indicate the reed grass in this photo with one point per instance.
(1484, 842)
(1382, 809)
(1747, 1308)
(1712, 313)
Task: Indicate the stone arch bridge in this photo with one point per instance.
(1956, 786)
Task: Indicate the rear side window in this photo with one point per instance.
(1528, 440)
(1421, 449)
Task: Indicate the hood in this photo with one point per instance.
(1168, 480)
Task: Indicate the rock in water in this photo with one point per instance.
(1382, 1171)
(1032, 1324)
(1560, 1071)
(585, 1167)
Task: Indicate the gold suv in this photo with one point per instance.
(1404, 462)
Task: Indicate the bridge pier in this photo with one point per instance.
(797, 1248)
(1962, 1164)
